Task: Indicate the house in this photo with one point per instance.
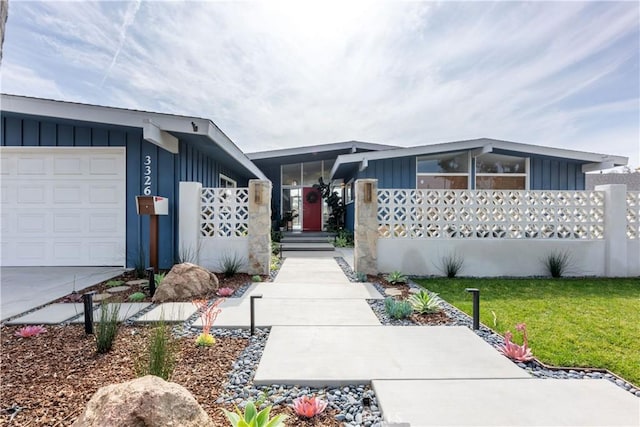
(71, 173)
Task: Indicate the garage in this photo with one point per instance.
(63, 206)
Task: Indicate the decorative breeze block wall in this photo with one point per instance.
(224, 212)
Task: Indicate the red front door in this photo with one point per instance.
(311, 209)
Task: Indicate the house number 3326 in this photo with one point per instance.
(146, 176)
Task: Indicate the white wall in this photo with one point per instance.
(490, 257)
(214, 249)
(633, 257)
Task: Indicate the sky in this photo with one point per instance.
(283, 74)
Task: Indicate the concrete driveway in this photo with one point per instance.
(24, 288)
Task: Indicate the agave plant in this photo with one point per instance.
(397, 309)
(309, 407)
(396, 277)
(519, 353)
(253, 418)
(424, 302)
(30, 331)
(225, 292)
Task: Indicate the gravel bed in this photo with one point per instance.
(459, 318)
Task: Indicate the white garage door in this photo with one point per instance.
(62, 206)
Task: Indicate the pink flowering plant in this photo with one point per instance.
(309, 407)
(208, 314)
(30, 331)
(519, 353)
(225, 292)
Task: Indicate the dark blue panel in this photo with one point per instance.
(563, 173)
(82, 136)
(99, 137)
(166, 188)
(555, 174)
(30, 133)
(134, 244)
(65, 136)
(48, 134)
(571, 176)
(350, 217)
(12, 132)
(546, 174)
(117, 138)
(580, 178)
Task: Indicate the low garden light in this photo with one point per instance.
(252, 302)
(87, 300)
(476, 307)
(152, 280)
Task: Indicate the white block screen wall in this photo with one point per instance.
(62, 206)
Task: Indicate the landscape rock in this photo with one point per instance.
(184, 282)
(117, 289)
(146, 401)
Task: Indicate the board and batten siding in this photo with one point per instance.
(166, 171)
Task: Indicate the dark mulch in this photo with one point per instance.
(380, 279)
(431, 319)
(233, 282)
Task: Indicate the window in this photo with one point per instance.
(500, 172)
(348, 192)
(226, 182)
(449, 171)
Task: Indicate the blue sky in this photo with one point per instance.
(291, 73)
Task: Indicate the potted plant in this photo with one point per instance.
(288, 217)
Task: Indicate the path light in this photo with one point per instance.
(252, 300)
(476, 307)
(87, 299)
(152, 281)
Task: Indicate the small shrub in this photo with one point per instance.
(30, 331)
(450, 265)
(137, 297)
(276, 236)
(189, 254)
(309, 407)
(557, 263)
(107, 327)
(344, 239)
(256, 278)
(208, 314)
(160, 357)
(225, 292)
(362, 277)
(159, 278)
(253, 418)
(231, 264)
(397, 309)
(519, 353)
(424, 302)
(396, 277)
(114, 283)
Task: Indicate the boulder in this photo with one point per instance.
(146, 401)
(185, 282)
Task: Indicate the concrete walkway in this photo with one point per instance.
(24, 288)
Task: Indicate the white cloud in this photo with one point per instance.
(277, 74)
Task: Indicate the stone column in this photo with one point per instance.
(366, 226)
(190, 195)
(259, 226)
(615, 229)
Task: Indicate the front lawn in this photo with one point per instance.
(590, 322)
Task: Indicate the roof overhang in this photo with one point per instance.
(348, 162)
(353, 146)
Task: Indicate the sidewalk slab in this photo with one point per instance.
(169, 312)
(315, 290)
(300, 312)
(507, 402)
(50, 315)
(127, 309)
(340, 355)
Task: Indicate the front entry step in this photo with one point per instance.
(506, 402)
(306, 239)
(297, 246)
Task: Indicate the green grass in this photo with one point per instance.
(590, 322)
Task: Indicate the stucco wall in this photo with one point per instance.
(632, 180)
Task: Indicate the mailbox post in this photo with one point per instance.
(153, 206)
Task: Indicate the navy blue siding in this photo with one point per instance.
(168, 170)
(350, 216)
(392, 173)
(555, 174)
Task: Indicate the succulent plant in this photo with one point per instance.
(137, 297)
(205, 340)
(256, 278)
(309, 407)
(30, 331)
(424, 302)
(225, 292)
(396, 277)
(253, 418)
(362, 277)
(519, 353)
(397, 309)
(114, 283)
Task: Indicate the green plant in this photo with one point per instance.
(256, 278)
(344, 239)
(396, 277)
(231, 264)
(208, 314)
(275, 263)
(160, 357)
(137, 297)
(253, 418)
(397, 309)
(276, 236)
(337, 209)
(159, 278)
(362, 277)
(107, 327)
(189, 254)
(424, 302)
(275, 248)
(557, 263)
(450, 265)
(114, 283)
